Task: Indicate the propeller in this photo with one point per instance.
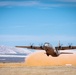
(41, 45)
(70, 45)
(31, 45)
(59, 46)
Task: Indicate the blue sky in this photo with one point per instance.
(37, 21)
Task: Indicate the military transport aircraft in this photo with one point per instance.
(50, 50)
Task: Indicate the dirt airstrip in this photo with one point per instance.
(40, 64)
(40, 70)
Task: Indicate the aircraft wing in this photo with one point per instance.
(31, 47)
(65, 48)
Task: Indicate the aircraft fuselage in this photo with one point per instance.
(50, 51)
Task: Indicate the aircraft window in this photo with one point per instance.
(47, 44)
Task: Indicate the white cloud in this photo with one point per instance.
(36, 3)
(17, 3)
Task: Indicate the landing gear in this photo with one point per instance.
(47, 54)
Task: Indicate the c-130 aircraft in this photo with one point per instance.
(54, 52)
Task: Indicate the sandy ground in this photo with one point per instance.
(43, 70)
(40, 64)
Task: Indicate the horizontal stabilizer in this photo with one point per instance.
(66, 53)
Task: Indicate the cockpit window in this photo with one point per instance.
(47, 44)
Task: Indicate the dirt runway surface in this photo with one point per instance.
(47, 70)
